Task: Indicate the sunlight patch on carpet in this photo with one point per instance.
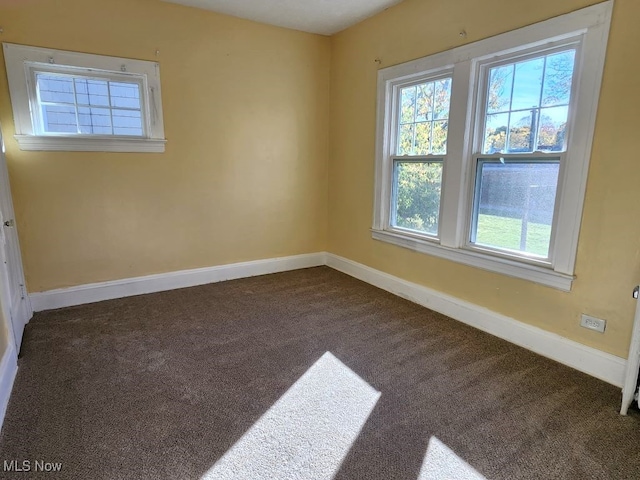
(308, 432)
(440, 462)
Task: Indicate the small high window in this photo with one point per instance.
(72, 101)
(88, 106)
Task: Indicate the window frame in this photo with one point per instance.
(483, 68)
(397, 86)
(503, 252)
(34, 69)
(589, 29)
(23, 63)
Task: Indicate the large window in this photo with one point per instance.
(483, 150)
(73, 101)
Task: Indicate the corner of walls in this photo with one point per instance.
(606, 268)
(563, 350)
(244, 173)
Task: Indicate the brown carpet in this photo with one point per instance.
(160, 386)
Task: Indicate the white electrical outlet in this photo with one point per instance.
(593, 323)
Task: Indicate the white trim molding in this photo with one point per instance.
(89, 144)
(8, 370)
(630, 387)
(505, 266)
(96, 292)
(591, 361)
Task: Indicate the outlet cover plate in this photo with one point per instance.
(593, 323)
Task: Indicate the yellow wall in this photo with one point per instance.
(608, 262)
(244, 175)
(249, 172)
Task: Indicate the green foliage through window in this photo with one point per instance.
(417, 189)
(424, 118)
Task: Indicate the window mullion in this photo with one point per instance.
(538, 125)
(75, 105)
(387, 133)
(110, 109)
(38, 124)
(507, 140)
(454, 212)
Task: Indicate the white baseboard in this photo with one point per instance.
(96, 292)
(591, 361)
(8, 370)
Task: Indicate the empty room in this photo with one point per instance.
(337, 239)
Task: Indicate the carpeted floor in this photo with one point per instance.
(160, 386)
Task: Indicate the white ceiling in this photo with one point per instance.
(325, 17)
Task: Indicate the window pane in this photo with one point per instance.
(500, 84)
(98, 92)
(442, 99)
(495, 136)
(405, 140)
(423, 118)
(82, 91)
(522, 90)
(127, 122)
(55, 89)
(59, 119)
(520, 132)
(553, 124)
(125, 95)
(558, 78)
(439, 137)
(424, 103)
(417, 187)
(423, 139)
(514, 205)
(407, 105)
(94, 121)
(527, 84)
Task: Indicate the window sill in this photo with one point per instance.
(512, 268)
(89, 144)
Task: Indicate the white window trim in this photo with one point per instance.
(20, 63)
(591, 25)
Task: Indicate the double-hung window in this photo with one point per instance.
(482, 151)
(73, 101)
(420, 149)
(520, 143)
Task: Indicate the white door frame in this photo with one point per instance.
(633, 363)
(16, 304)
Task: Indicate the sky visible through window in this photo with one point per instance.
(528, 104)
